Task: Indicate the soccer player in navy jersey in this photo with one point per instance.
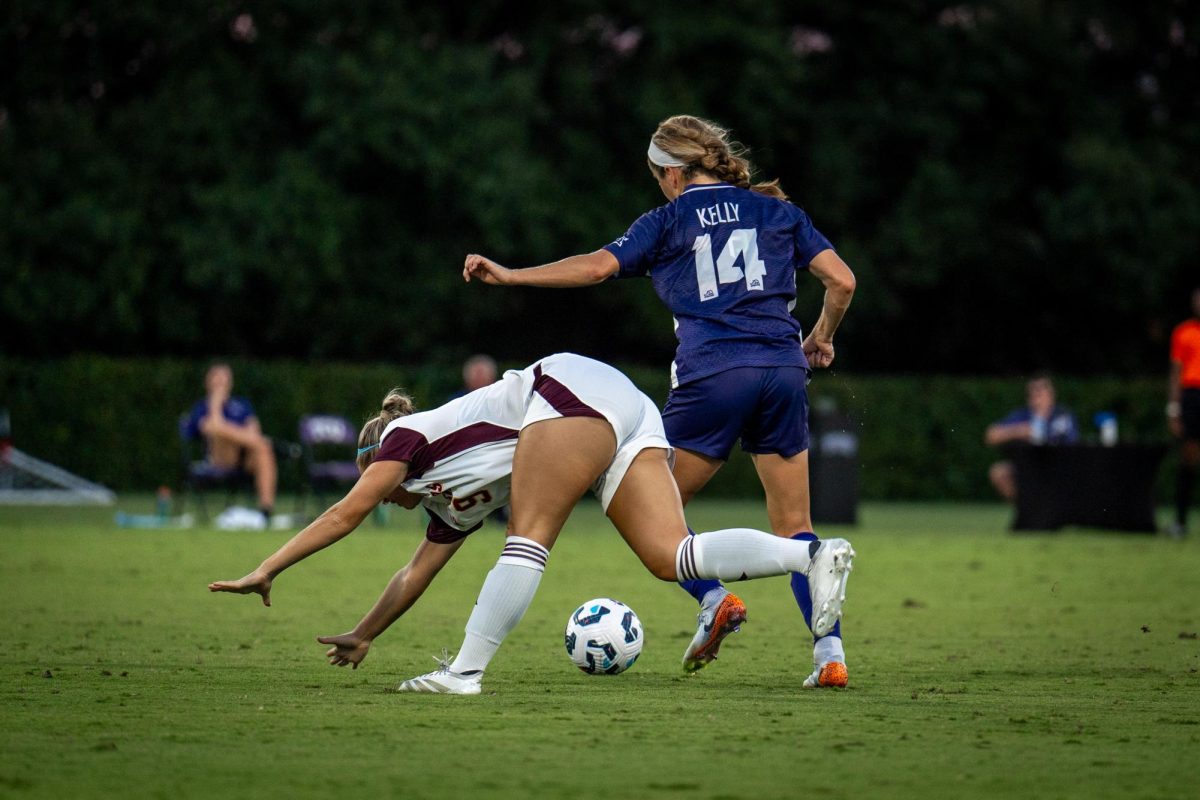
(544, 435)
(722, 255)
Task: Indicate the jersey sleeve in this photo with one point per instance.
(636, 250)
(191, 428)
(809, 240)
(1015, 417)
(405, 444)
(238, 410)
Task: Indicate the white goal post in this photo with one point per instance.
(25, 480)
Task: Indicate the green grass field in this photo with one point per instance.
(982, 664)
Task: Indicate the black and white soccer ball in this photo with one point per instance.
(604, 637)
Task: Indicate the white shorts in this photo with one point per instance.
(567, 385)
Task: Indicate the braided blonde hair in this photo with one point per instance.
(395, 404)
(705, 146)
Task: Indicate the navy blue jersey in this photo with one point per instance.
(1060, 428)
(236, 410)
(724, 261)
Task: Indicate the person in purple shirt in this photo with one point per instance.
(1040, 421)
(233, 435)
(722, 255)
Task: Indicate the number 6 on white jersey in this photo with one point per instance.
(744, 242)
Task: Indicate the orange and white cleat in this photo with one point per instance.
(831, 673)
(719, 617)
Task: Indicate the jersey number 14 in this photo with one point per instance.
(742, 242)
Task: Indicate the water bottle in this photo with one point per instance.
(162, 502)
(1106, 421)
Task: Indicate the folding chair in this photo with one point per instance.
(198, 476)
(328, 443)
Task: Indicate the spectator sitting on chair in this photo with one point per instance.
(233, 435)
(1040, 421)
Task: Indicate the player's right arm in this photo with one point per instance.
(405, 588)
(375, 485)
(839, 283)
(581, 270)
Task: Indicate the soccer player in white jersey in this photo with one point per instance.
(538, 438)
(722, 256)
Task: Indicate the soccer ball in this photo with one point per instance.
(604, 637)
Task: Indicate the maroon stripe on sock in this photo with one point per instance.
(525, 551)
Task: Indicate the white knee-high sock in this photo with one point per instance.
(738, 554)
(506, 594)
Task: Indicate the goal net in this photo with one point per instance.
(25, 480)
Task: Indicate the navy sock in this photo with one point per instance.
(701, 586)
(800, 591)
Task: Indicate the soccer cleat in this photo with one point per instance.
(827, 576)
(718, 618)
(443, 681)
(832, 673)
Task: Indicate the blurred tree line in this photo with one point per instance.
(1016, 182)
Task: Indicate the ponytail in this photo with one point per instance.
(395, 404)
(704, 146)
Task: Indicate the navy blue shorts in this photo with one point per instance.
(766, 406)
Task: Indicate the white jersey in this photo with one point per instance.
(460, 455)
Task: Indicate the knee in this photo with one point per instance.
(662, 566)
(664, 572)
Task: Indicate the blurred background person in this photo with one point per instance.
(478, 371)
(1183, 409)
(1040, 421)
(233, 435)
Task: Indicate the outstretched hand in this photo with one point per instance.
(486, 270)
(348, 648)
(819, 354)
(255, 583)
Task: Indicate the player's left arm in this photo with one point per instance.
(377, 482)
(586, 269)
(405, 588)
(839, 283)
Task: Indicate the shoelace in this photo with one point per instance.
(443, 662)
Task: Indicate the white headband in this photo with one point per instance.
(661, 158)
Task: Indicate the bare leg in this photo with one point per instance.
(692, 471)
(653, 525)
(260, 462)
(647, 513)
(557, 460)
(785, 481)
(1004, 479)
(227, 442)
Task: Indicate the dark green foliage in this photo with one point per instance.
(1015, 183)
(115, 420)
